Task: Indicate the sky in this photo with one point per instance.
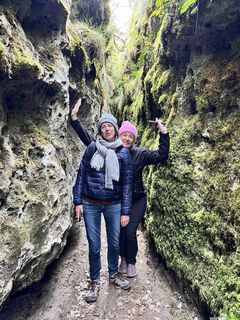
(121, 13)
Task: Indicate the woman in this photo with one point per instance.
(140, 159)
(104, 185)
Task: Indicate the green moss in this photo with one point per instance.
(159, 81)
(158, 44)
(136, 106)
(23, 62)
(149, 74)
(73, 36)
(2, 55)
(155, 81)
(200, 227)
(174, 99)
(171, 116)
(92, 38)
(148, 138)
(2, 49)
(75, 43)
(194, 201)
(135, 39)
(138, 73)
(160, 9)
(186, 5)
(194, 10)
(164, 79)
(146, 53)
(162, 99)
(202, 105)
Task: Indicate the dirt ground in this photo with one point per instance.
(59, 296)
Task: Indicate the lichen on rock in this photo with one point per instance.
(43, 66)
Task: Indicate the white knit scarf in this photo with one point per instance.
(106, 153)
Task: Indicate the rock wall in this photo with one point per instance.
(183, 64)
(47, 56)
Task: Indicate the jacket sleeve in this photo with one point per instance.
(127, 184)
(82, 132)
(77, 189)
(154, 157)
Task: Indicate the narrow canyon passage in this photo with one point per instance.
(59, 296)
(177, 60)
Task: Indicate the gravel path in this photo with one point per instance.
(59, 296)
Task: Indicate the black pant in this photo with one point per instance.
(128, 234)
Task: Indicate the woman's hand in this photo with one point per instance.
(161, 126)
(79, 212)
(124, 220)
(75, 109)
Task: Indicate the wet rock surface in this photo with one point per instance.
(60, 294)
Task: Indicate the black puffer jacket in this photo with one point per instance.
(140, 157)
(91, 183)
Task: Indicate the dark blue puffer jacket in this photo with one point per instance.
(91, 183)
(140, 157)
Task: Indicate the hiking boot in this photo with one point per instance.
(131, 270)
(93, 289)
(119, 280)
(123, 266)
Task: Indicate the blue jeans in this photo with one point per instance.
(92, 217)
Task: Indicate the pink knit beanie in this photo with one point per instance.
(128, 127)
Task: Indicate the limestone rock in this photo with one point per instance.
(39, 152)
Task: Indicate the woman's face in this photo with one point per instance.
(107, 131)
(127, 139)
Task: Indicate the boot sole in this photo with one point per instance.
(117, 285)
(132, 276)
(122, 271)
(90, 300)
(126, 288)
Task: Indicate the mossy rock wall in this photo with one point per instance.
(45, 60)
(184, 66)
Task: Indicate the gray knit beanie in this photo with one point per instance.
(108, 117)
